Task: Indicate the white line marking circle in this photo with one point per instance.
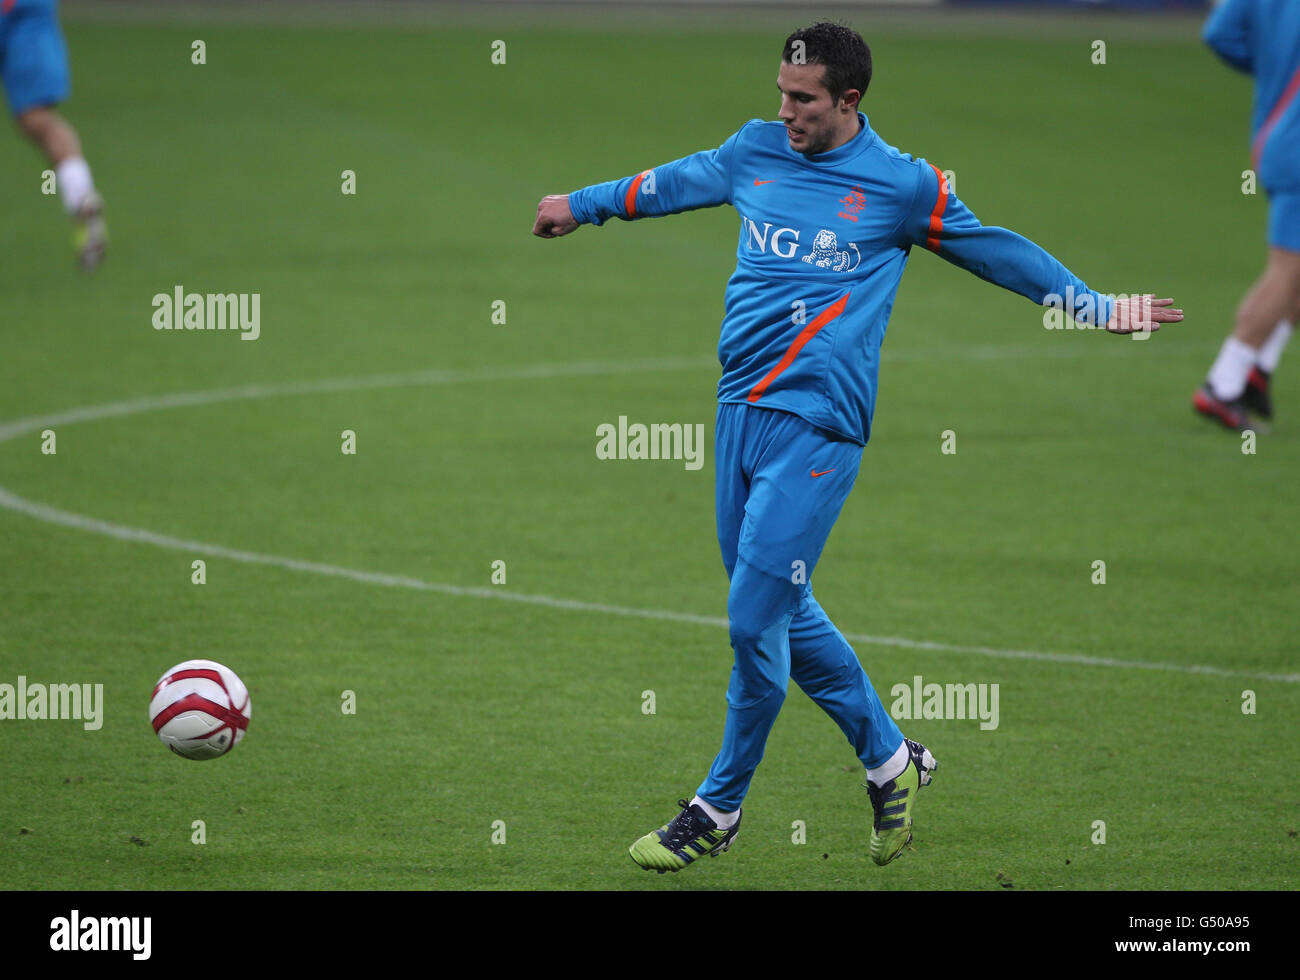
(92, 413)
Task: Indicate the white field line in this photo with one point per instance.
(52, 515)
(275, 389)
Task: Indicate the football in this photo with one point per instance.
(200, 709)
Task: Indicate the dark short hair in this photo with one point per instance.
(841, 49)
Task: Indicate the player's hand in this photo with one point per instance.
(554, 217)
(1142, 314)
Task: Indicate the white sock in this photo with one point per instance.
(725, 821)
(891, 769)
(1231, 368)
(1272, 350)
(75, 183)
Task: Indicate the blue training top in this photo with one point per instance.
(823, 242)
(1262, 38)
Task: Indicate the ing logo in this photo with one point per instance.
(825, 252)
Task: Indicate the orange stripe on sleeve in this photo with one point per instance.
(936, 216)
(629, 202)
(805, 335)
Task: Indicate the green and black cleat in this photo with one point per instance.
(689, 835)
(892, 803)
(91, 235)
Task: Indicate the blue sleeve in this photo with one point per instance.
(1227, 31)
(701, 180)
(939, 221)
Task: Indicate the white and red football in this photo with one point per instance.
(200, 709)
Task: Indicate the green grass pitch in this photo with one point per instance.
(1073, 447)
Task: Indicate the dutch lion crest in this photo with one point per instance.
(825, 252)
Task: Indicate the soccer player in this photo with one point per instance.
(1262, 38)
(828, 215)
(34, 69)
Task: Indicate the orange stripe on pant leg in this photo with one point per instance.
(805, 335)
(936, 216)
(629, 202)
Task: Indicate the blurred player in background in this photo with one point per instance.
(1262, 38)
(829, 214)
(34, 69)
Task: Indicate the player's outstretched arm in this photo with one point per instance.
(1141, 314)
(554, 218)
(701, 180)
(943, 224)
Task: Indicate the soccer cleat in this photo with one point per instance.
(892, 803)
(1255, 397)
(689, 835)
(91, 236)
(1231, 415)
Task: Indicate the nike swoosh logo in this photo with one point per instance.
(759, 183)
(822, 473)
